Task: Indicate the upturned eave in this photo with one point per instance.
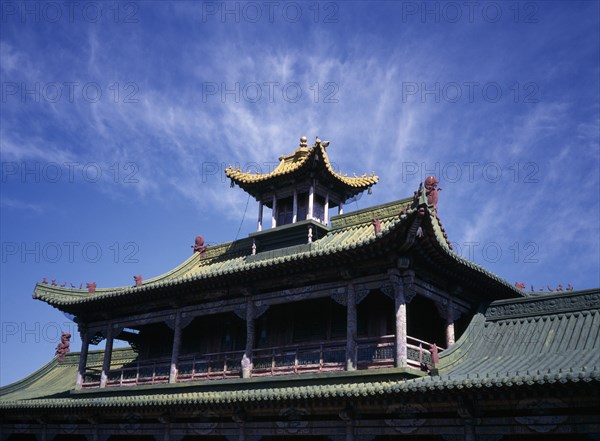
(302, 165)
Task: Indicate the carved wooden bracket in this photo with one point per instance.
(171, 321)
(258, 311)
(116, 330)
(404, 280)
(361, 293)
(448, 311)
(94, 336)
(185, 320)
(339, 296)
(408, 279)
(240, 311)
(388, 290)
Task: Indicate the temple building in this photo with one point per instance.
(321, 325)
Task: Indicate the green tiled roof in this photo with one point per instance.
(349, 232)
(546, 339)
(514, 343)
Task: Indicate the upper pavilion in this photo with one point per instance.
(300, 191)
(303, 186)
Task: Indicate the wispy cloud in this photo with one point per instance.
(13, 204)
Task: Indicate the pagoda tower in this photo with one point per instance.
(300, 191)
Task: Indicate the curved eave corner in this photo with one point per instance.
(362, 182)
(56, 295)
(246, 180)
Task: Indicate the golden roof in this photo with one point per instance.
(304, 158)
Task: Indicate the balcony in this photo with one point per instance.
(330, 356)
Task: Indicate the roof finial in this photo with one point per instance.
(303, 143)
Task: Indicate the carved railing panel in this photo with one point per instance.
(378, 352)
(210, 366)
(315, 357)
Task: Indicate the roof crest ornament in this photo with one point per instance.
(303, 143)
(432, 190)
(323, 144)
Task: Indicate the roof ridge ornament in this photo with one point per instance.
(323, 144)
(303, 142)
(432, 190)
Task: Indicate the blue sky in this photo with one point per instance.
(118, 118)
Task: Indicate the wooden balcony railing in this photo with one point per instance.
(315, 357)
(418, 352)
(371, 353)
(143, 372)
(210, 366)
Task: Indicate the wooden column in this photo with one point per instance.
(351, 328)
(295, 207)
(326, 210)
(311, 202)
(83, 355)
(450, 325)
(247, 357)
(274, 213)
(341, 208)
(400, 306)
(260, 215)
(107, 357)
(175, 350)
